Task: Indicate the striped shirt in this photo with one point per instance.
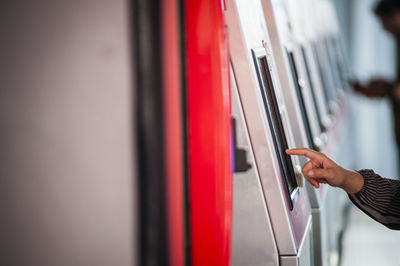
(379, 198)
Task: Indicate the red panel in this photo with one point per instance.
(208, 99)
(173, 131)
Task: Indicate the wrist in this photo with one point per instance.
(396, 92)
(353, 182)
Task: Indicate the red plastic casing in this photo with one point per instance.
(209, 133)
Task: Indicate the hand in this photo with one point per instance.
(321, 169)
(376, 88)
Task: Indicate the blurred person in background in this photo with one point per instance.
(378, 197)
(388, 12)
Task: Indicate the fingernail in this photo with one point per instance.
(311, 173)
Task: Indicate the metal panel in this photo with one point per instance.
(304, 256)
(289, 261)
(306, 250)
(247, 31)
(253, 241)
(267, 166)
(320, 239)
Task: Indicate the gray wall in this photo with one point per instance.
(66, 174)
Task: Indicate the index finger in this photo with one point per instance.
(313, 155)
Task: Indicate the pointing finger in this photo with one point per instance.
(313, 155)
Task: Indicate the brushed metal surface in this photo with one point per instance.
(260, 137)
(304, 257)
(253, 240)
(248, 31)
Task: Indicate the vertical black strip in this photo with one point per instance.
(182, 35)
(150, 132)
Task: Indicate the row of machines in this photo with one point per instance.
(222, 89)
(289, 82)
(153, 132)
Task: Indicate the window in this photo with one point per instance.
(275, 122)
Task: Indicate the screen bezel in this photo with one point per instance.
(277, 129)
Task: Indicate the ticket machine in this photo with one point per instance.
(309, 59)
(275, 179)
(318, 35)
(291, 50)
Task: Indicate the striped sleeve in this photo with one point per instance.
(379, 198)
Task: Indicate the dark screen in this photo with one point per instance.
(275, 123)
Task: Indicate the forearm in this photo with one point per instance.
(379, 198)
